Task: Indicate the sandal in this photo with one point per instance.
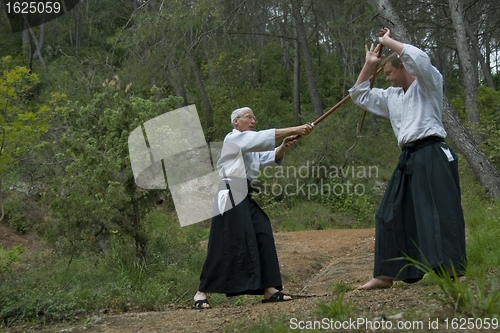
(198, 305)
(277, 297)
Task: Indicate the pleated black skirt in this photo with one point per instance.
(241, 256)
(421, 215)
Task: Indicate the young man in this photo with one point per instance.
(420, 215)
(241, 256)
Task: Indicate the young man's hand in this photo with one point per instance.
(372, 54)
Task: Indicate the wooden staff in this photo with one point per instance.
(346, 98)
(376, 70)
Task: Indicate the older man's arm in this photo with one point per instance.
(287, 143)
(302, 130)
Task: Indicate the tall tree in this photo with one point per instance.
(482, 167)
(469, 66)
(482, 61)
(209, 122)
(306, 55)
(296, 80)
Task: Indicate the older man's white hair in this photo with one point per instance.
(239, 112)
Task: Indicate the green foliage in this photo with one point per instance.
(496, 79)
(349, 199)
(8, 257)
(303, 215)
(488, 102)
(24, 118)
(9, 41)
(16, 212)
(20, 124)
(482, 219)
(340, 287)
(97, 178)
(50, 290)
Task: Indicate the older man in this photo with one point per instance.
(241, 256)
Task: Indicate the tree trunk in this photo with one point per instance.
(27, 48)
(176, 80)
(39, 53)
(78, 29)
(140, 240)
(311, 79)
(475, 44)
(296, 81)
(482, 167)
(484, 170)
(209, 121)
(391, 19)
(469, 67)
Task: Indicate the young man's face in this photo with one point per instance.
(394, 74)
(245, 122)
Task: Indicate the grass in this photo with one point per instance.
(337, 309)
(475, 297)
(307, 216)
(8, 257)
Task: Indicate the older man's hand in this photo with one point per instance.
(304, 130)
(290, 141)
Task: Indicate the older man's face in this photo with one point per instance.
(245, 122)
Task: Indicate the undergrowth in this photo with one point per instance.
(51, 290)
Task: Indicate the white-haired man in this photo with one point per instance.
(241, 257)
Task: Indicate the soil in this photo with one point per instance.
(316, 267)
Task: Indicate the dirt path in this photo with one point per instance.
(312, 263)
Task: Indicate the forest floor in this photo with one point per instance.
(315, 265)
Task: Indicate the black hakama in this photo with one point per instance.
(241, 256)
(420, 215)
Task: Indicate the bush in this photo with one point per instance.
(59, 288)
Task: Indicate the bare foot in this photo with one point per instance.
(376, 283)
(269, 292)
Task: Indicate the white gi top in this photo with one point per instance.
(415, 114)
(258, 149)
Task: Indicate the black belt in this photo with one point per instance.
(408, 148)
(417, 144)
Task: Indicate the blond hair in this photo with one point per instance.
(393, 59)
